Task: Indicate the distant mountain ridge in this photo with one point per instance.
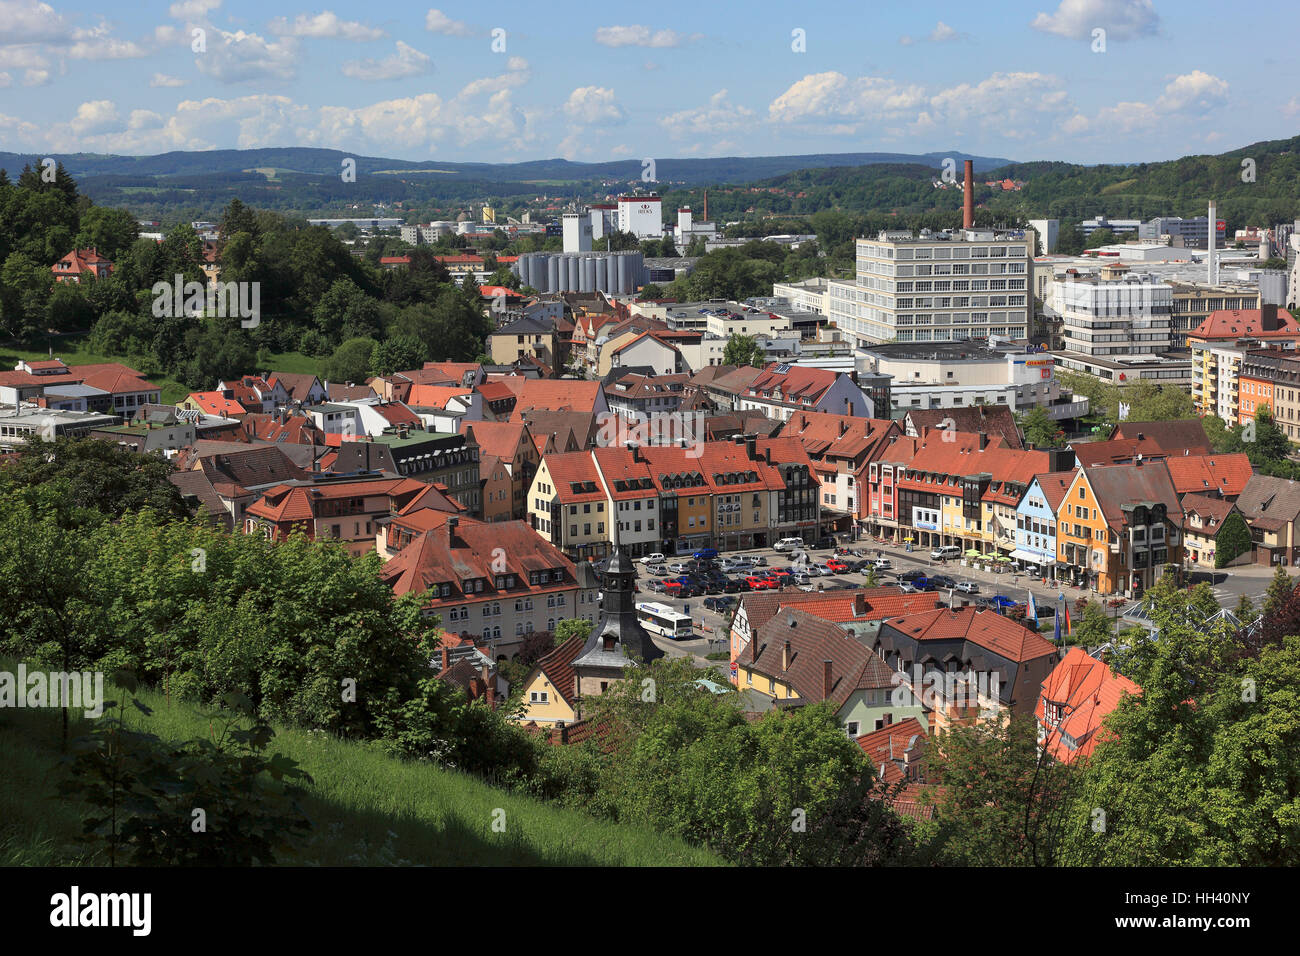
(314, 161)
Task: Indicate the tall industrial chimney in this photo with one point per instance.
(968, 213)
(1212, 227)
(706, 206)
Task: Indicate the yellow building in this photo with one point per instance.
(567, 505)
(549, 695)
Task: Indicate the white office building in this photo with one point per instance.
(642, 216)
(939, 287)
(1114, 313)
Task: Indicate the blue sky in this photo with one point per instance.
(1026, 80)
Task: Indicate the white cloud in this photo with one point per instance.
(638, 35)
(6, 80)
(1195, 91)
(97, 44)
(717, 116)
(22, 57)
(192, 9)
(144, 119)
(517, 74)
(95, 116)
(1121, 19)
(407, 61)
(325, 25)
(36, 77)
(435, 21)
(593, 104)
(1016, 105)
(833, 95)
(248, 58)
(942, 33)
(163, 80)
(29, 21)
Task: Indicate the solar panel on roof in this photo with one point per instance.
(781, 369)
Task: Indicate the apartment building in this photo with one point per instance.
(1194, 302)
(937, 287)
(1114, 312)
(1219, 347)
(781, 390)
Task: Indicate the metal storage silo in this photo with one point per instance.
(572, 284)
(553, 283)
(602, 273)
(588, 274)
(621, 287)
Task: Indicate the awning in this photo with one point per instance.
(1028, 556)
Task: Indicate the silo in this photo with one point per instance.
(553, 283)
(521, 269)
(588, 274)
(572, 284)
(621, 286)
(602, 273)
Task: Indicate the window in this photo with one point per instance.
(853, 728)
(539, 697)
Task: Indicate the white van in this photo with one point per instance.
(788, 544)
(946, 552)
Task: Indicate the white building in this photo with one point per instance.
(1048, 231)
(940, 287)
(687, 229)
(577, 232)
(1114, 313)
(642, 216)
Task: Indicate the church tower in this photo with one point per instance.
(618, 639)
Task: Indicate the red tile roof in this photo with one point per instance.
(984, 628)
(1238, 323)
(799, 384)
(1206, 474)
(554, 394)
(558, 666)
(1087, 692)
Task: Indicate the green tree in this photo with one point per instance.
(351, 361)
(1039, 429)
(399, 353)
(1232, 540)
(1278, 593)
(743, 350)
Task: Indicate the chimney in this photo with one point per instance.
(826, 680)
(1211, 228)
(984, 440)
(753, 647)
(451, 531)
(751, 443)
(635, 449)
(785, 656)
(767, 455)
(844, 427)
(446, 660)
(1268, 319)
(491, 687)
(968, 208)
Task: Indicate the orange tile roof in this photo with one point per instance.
(215, 403)
(1205, 474)
(984, 628)
(1087, 692)
(1236, 323)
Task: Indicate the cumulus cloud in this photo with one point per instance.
(1195, 91)
(325, 25)
(406, 61)
(435, 21)
(165, 81)
(718, 115)
(30, 21)
(593, 104)
(833, 95)
(1017, 105)
(638, 35)
(1121, 19)
(248, 58)
(98, 44)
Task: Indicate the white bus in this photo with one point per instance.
(663, 620)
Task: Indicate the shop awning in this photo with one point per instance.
(1028, 556)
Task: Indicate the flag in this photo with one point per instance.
(1031, 611)
(1060, 613)
(1123, 411)
(1067, 620)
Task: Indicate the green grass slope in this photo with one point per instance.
(366, 808)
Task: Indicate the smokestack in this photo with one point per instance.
(826, 680)
(490, 687)
(706, 206)
(785, 656)
(1212, 230)
(968, 210)
(445, 659)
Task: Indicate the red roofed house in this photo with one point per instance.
(781, 390)
(549, 695)
(1076, 697)
(897, 751)
(495, 582)
(221, 404)
(1215, 476)
(842, 448)
(79, 262)
(965, 664)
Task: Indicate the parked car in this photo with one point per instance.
(705, 554)
(942, 581)
(679, 567)
(882, 564)
(823, 570)
(779, 572)
(837, 566)
(757, 583)
(968, 587)
(655, 557)
(736, 586)
(999, 602)
(732, 564)
(800, 578)
(945, 553)
(757, 560)
(825, 542)
(788, 544)
(656, 586)
(719, 604)
(657, 570)
(907, 587)
(912, 575)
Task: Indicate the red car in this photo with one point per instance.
(757, 583)
(779, 573)
(836, 565)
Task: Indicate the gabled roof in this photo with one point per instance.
(500, 439)
(1241, 323)
(840, 436)
(1225, 475)
(843, 607)
(992, 420)
(1087, 691)
(215, 403)
(1117, 485)
(813, 641)
(976, 625)
(1180, 437)
(554, 394)
(1269, 502)
(737, 380)
(1055, 484)
(800, 384)
(558, 667)
(1216, 509)
(891, 745)
(298, 385)
(251, 466)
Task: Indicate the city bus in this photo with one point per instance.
(662, 619)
